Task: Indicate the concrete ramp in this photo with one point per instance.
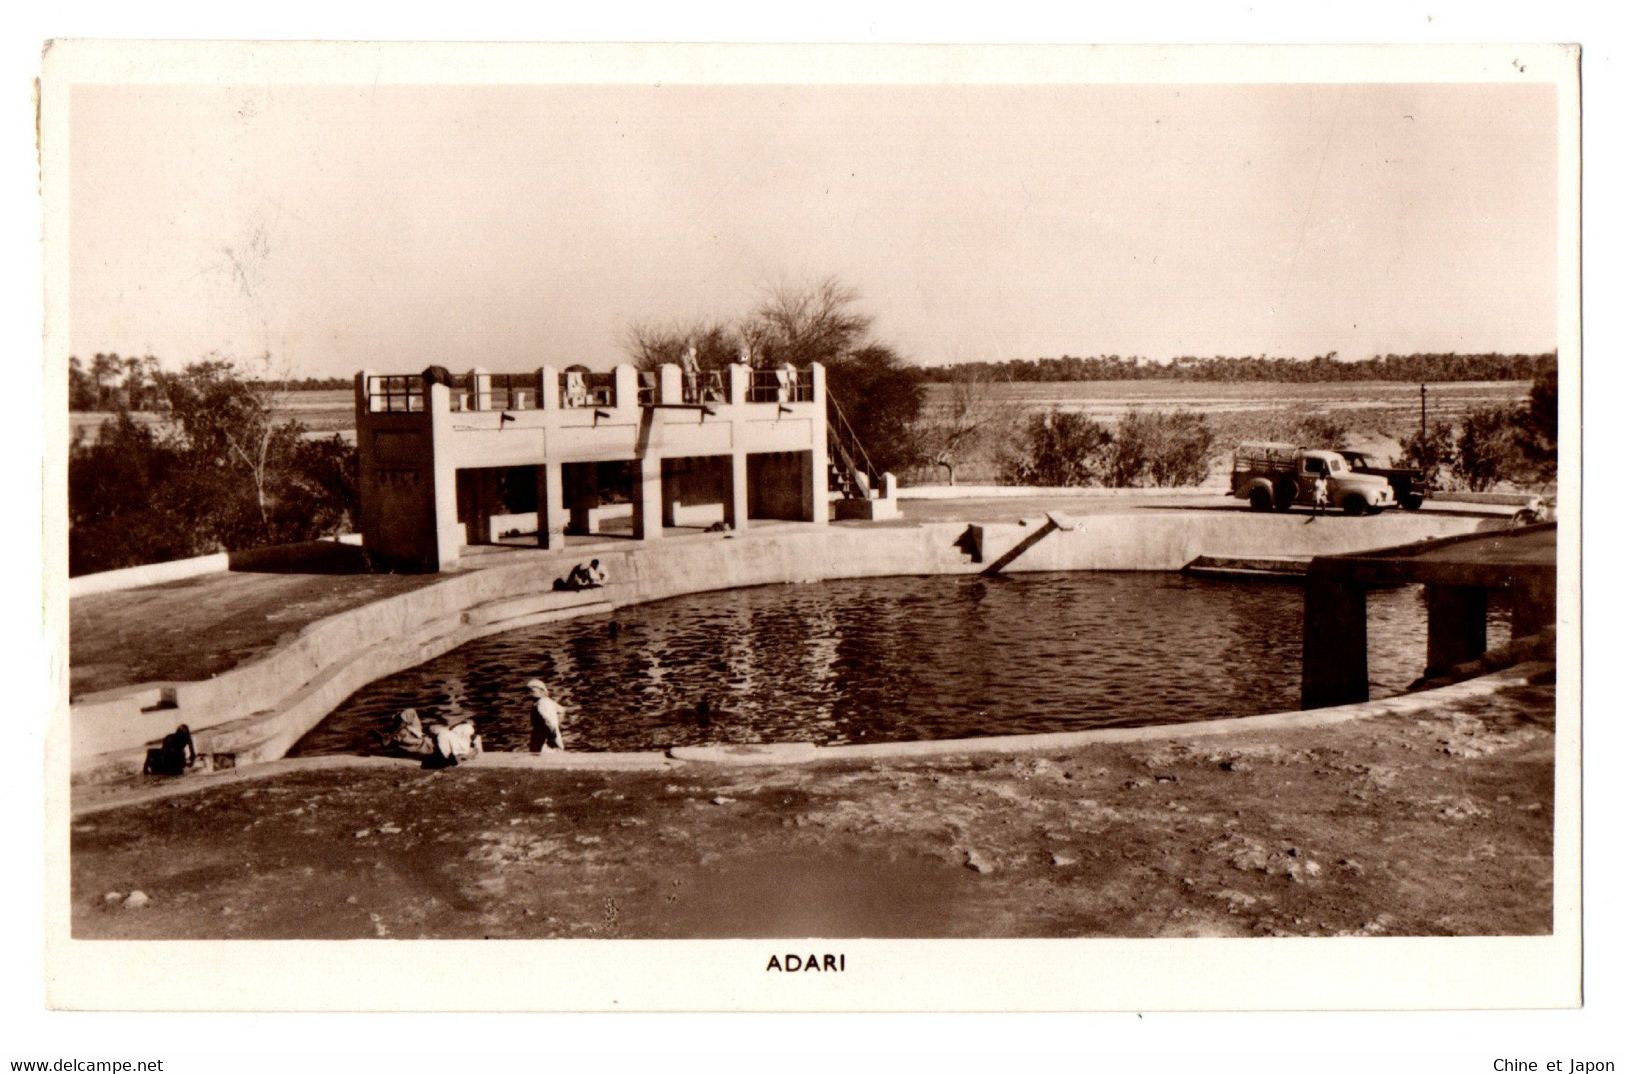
(1054, 521)
(1249, 569)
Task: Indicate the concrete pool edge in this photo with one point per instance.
(256, 712)
(96, 798)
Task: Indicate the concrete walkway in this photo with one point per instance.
(199, 627)
(1436, 822)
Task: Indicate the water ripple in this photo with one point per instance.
(901, 658)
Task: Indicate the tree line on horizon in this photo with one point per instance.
(111, 383)
(1323, 368)
(223, 471)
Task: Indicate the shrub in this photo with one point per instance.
(1159, 448)
(1487, 449)
(1058, 448)
(222, 475)
(1537, 427)
(1435, 457)
(1320, 431)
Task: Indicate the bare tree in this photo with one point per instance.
(974, 410)
(651, 345)
(231, 419)
(819, 323)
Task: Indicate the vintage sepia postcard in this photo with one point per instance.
(803, 528)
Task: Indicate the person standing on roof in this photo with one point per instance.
(691, 373)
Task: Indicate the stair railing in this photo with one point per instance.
(848, 449)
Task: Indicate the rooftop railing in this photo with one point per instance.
(710, 386)
(580, 389)
(583, 389)
(787, 384)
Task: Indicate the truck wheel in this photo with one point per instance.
(1354, 504)
(1286, 494)
(1259, 500)
(1413, 502)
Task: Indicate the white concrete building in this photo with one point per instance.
(450, 461)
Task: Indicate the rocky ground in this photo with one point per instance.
(1437, 824)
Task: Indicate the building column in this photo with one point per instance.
(819, 476)
(1334, 649)
(1456, 625)
(646, 507)
(736, 507)
(550, 516)
(482, 489)
(1534, 605)
(447, 533)
(738, 384)
(626, 386)
(672, 480)
(670, 388)
(547, 388)
(585, 499)
(479, 389)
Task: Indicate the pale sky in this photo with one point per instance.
(340, 228)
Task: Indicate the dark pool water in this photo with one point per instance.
(876, 660)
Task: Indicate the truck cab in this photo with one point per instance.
(1279, 476)
(1407, 482)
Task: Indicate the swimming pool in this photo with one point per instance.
(878, 660)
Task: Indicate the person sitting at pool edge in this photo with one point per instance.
(453, 744)
(407, 734)
(173, 756)
(546, 719)
(584, 576)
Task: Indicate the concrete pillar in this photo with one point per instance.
(1334, 650)
(550, 517)
(363, 402)
(671, 383)
(547, 388)
(1534, 605)
(446, 537)
(646, 507)
(479, 389)
(736, 507)
(586, 498)
(819, 474)
(626, 386)
(671, 490)
(738, 383)
(1457, 618)
(481, 493)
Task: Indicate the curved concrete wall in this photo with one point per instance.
(259, 710)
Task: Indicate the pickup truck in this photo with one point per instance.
(1277, 476)
(1409, 488)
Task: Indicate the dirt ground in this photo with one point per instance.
(196, 628)
(1439, 824)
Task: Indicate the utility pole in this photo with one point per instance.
(1427, 450)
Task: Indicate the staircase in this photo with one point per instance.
(850, 471)
(862, 490)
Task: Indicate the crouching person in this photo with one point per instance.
(408, 736)
(173, 756)
(453, 744)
